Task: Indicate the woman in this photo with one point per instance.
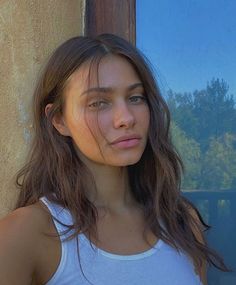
(100, 199)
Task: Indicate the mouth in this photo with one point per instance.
(125, 138)
(127, 143)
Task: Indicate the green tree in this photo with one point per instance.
(204, 128)
(215, 110)
(189, 150)
(219, 163)
(181, 108)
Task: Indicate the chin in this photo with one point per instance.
(128, 161)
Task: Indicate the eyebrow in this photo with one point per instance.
(110, 89)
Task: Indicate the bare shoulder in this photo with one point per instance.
(26, 222)
(26, 217)
(20, 232)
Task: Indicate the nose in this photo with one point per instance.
(122, 116)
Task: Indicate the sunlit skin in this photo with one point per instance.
(96, 118)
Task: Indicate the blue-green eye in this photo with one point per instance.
(98, 104)
(137, 99)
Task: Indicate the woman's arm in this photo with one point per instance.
(18, 243)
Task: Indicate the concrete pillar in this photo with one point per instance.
(29, 31)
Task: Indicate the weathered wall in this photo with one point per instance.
(29, 31)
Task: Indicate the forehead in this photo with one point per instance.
(112, 71)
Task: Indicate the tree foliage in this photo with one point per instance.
(219, 163)
(190, 153)
(204, 132)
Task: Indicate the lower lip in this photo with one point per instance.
(127, 143)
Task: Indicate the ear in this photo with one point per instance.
(58, 122)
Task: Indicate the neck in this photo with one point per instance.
(113, 190)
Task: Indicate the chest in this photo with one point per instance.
(119, 234)
(164, 265)
(123, 235)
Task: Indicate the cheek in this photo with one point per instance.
(144, 117)
(85, 139)
(103, 124)
(148, 118)
(92, 130)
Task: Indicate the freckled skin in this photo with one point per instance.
(93, 127)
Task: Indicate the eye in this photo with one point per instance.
(137, 98)
(99, 104)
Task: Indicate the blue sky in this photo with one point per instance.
(188, 41)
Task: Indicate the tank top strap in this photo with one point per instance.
(59, 215)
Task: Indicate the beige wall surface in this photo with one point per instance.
(29, 31)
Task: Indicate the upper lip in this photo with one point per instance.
(126, 137)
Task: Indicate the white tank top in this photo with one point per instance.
(160, 265)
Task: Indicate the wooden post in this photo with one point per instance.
(111, 16)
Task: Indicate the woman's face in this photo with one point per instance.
(109, 107)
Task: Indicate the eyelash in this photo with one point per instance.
(142, 97)
(94, 105)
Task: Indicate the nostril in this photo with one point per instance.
(123, 116)
(124, 121)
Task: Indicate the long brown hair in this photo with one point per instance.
(55, 171)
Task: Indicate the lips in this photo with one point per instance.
(126, 138)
